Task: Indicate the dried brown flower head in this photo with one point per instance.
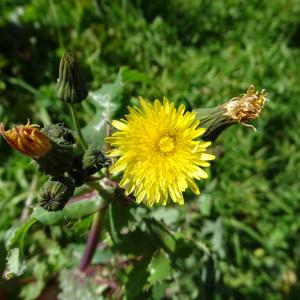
(246, 107)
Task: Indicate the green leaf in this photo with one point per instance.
(159, 267)
(15, 248)
(102, 256)
(71, 212)
(184, 248)
(32, 290)
(158, 291)
(107, 101)
(15, 263)
(134, 243)
(118, 217)
(168, 215)
(137, 278)
(162, 234)
(73, 287)
(17, 236)
(106, 104)
(205, 204)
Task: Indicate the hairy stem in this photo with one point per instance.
(77, 126)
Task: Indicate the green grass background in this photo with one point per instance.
(200, 53)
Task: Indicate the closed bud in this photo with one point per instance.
(55, 193)
(57, 161)
(70, 85)
(59, 134)
(93, 160)
(60, 159)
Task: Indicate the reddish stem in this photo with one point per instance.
(93, 239)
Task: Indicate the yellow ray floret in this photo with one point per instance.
(156, 149)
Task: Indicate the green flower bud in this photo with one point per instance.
(86, 164)
(70, 85)
(93, 160)
(55, 193)
(59, 159)
(59, 134)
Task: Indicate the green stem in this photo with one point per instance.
(77, 126)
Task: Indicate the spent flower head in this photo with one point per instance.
(27, 139)
(238, 110)
(53, 155)
(158, 152)
(248, 106)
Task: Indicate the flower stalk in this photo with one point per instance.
(96, 228)
(93, 238)
(81, 140)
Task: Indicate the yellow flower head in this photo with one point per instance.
(157, 150)
(27, 139)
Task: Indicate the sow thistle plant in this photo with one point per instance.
(153, 155)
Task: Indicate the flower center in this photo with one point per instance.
(166, 144)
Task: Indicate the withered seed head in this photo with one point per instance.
(246, 107)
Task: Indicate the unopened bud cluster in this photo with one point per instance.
(52, 148)
(70, 170)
